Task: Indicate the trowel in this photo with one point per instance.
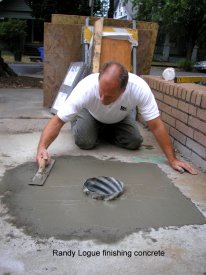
(42, 173)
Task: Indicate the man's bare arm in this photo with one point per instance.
(48, 135)
(158, 129)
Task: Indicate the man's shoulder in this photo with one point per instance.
(135, 78)
(87, 83)
(92, 77)
(137, 82)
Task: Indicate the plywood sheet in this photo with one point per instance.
(61, 47)
(116, 50)
(148, 35)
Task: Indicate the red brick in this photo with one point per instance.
(183, 106)
(172, 87)
(200, 138)
(193, 97)
(197, 124)
(167, 127)
(145, 77)
(170, 101)
(176, 90)
(198, 161)
(158, 95)
(200, 88)
(198, 98)
(172, 139)
(189, 88)
(158, 103)
(161, 86)
(192, 110)
(177, 135)
(154, 84)
(186, 152)
(164, 87)
(165, 108)
(183, 128)
(203, 103)
(196, 147)
(201, 113)
(158, 85)
(168, 119)
(167, 88)
(189, 95)
(179, 115)
(179, 92)
(184, 93)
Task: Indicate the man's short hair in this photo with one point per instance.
(123, 73)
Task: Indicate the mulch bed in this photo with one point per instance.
(21, 82)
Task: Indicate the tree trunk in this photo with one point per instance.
(191, 41)
(5, 70)
(194, 54)
(190, 46)
(166, 49)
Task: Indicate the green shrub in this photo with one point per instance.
(186, 64)
(12, 35)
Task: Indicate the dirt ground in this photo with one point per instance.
(20, 82)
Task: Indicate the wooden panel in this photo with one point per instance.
(61, 47)
(116, 50)
(98, 28)
(143, 50)
(147, 36)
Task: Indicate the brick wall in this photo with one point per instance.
(183, 110)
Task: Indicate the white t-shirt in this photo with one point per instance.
(86, 95)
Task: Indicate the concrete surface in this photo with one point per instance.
(27, 69)
(150, 200)
(166, 250)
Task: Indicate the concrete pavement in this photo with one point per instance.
(176, 250)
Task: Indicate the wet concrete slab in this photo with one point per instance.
(60, 209)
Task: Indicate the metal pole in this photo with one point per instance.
(134, 66)
(86, 45)
(134, 51)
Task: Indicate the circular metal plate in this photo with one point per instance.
(105, 188)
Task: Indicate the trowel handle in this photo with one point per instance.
(42, 165)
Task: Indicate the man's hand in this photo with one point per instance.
(158, 129)
(182, 166)
(43, 154)
(48, 135)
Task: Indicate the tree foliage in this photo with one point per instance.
(13, 33)
(43, 9)
(176, 16)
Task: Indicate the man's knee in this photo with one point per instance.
(85, 144)
(134, 144)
